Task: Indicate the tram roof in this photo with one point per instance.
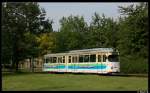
(72, 52)
(94, 49)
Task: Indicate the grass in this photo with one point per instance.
(71, 82)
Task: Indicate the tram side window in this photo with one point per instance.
(54, 59)
(86, 58)
(50, 60)
(59, 59)
(74, 59)
(46, 60)
(63, 59)
(69, 59)
(81, 58)
(113, 58)
(104, 58)
(99, 58)
(92, 58)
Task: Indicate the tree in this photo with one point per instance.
(133, 38)
(71, 34)
(21, 20)
(134, 29)
(103, 32)
(46, 42)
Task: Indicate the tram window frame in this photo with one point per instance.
(72, 59)
(93, 59)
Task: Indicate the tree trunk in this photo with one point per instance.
(32, 64)
(17, 63)
(13, 66)
(14, 60)
(15, 55)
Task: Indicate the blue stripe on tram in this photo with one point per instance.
(76, 67)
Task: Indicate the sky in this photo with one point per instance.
(56, 11)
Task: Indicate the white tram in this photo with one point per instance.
(96, 60)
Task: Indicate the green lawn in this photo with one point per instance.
(50, 82)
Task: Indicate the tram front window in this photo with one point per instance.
(113, 58)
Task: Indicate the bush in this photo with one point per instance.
(133, 64)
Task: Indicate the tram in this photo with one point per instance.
(95, 60)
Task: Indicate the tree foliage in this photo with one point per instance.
(21, 25)
(103, 30)
(71, 33)
(133, 38)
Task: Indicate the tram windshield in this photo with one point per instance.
(113, 58)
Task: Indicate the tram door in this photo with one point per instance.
(75, 61)
(64, 63)
(104, 64)
(101, 64)
(69, 64)
(59, 61)
(72, 63)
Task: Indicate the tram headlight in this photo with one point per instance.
(111, 67)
